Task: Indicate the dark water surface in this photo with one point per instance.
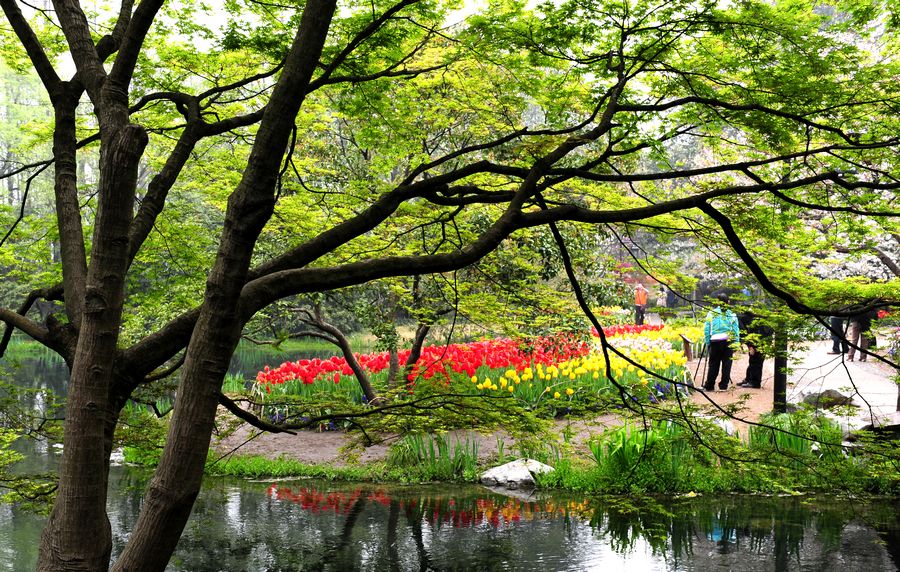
(309, 525)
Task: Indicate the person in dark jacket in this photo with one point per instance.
(839, 339)
(859, 334)
(755, 332)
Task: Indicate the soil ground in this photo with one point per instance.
(813, 370)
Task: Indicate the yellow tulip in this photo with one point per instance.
(556, 395)
(569, 391)
(474, 379)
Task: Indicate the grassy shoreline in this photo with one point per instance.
(626, 461)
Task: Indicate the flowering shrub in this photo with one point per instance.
(893, 344)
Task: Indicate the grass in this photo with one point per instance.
(234, 383)
(434, 457)
(664, 458)
(800, 437)
(256, 467)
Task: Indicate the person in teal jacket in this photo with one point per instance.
(721, 334)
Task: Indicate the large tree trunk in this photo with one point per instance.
(176, 483)
(77, 535)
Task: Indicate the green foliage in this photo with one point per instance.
(658, 458)
(799, 452)
(435, 457)
(29, 491)
(141, 434)
(234, 383)
(798, 437)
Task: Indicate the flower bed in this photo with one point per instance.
(557, 374)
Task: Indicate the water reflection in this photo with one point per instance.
(251, 358)
(465, 530)
(306, 525)
(35, 367)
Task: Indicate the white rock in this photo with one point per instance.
(515, 475)
(725, 425)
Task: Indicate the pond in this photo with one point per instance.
(309, 525)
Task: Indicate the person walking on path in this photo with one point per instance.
(720, 331)
(859, 334)
(838, 336)
(640, 303)
(755, 332)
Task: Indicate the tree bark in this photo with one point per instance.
(77, 535)
(68, 211)
(176, 483)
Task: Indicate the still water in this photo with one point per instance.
(309, 525)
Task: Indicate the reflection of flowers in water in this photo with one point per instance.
(677, 529)
(496, 512)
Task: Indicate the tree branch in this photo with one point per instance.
(17, 320)
(130, 46)
(164, 373)
(78, 36)
(360, 37)
(250, 418)
(109, 44)
(716, 103)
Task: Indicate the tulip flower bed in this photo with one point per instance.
(552, 375)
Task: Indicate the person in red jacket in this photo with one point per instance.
(640, 303)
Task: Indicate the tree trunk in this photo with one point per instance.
(77, 535)
(393, 367)
(415, 352)
(338, 337)
(176, 483)
(780, 380)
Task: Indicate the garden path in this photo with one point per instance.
(812, 370)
